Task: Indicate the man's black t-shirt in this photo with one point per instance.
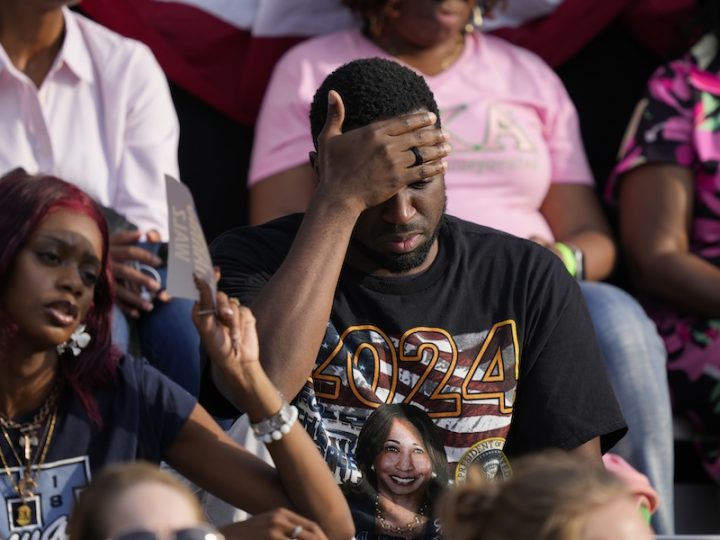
(493, 341)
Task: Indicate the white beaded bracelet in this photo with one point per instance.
(276, 426)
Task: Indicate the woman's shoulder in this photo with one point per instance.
(113, 55)
(702, 57)
(136, 375)
(137, 381)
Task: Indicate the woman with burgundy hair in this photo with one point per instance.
(70, 403)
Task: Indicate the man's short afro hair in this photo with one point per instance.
(372, 89)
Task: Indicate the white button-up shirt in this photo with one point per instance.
(103, 119)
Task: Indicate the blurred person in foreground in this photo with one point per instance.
(139, 501)
(551, 496)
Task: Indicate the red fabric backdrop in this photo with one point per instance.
(228, 67)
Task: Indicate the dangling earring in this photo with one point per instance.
(433, 475)
(476, 21)
(372, 467)
(77, 342)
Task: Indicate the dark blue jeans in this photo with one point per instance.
(635, 359)
(167, 338)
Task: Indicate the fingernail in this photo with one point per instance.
(227, 312)
(147, 306)
(432, 117)
(331, 99)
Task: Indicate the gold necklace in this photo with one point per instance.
(454, 54)
(418, 520)
(446, 61)
(25, 487)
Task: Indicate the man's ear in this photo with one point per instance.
(314, 162)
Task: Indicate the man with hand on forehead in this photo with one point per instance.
(374, 295)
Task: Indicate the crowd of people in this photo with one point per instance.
(416, 330)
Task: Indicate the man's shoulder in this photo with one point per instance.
(476, 241)
(467, 231)
(275, 234)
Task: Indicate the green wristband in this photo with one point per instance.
(568, 257)
(645, 511)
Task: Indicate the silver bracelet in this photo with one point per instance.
(274, 427)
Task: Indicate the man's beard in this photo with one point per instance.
(399, 263)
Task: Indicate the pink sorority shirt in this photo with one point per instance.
(512, 125)
(102, 119)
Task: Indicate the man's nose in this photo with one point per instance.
(399, 208)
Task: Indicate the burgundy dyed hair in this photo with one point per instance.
(25, 200)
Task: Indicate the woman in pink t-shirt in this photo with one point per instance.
(517, 165)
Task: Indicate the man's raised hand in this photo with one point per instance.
(366, 166)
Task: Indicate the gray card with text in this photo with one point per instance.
(187, 252)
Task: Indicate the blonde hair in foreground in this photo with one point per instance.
(548, 498)
(89, 520)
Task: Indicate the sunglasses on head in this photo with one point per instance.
(191, 533)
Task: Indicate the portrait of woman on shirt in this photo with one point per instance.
(404, 470)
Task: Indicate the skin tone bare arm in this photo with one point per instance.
(656, 206)
(590, 450)
(204, 453)
(357, 170)
(296, 184)
(574, 215)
